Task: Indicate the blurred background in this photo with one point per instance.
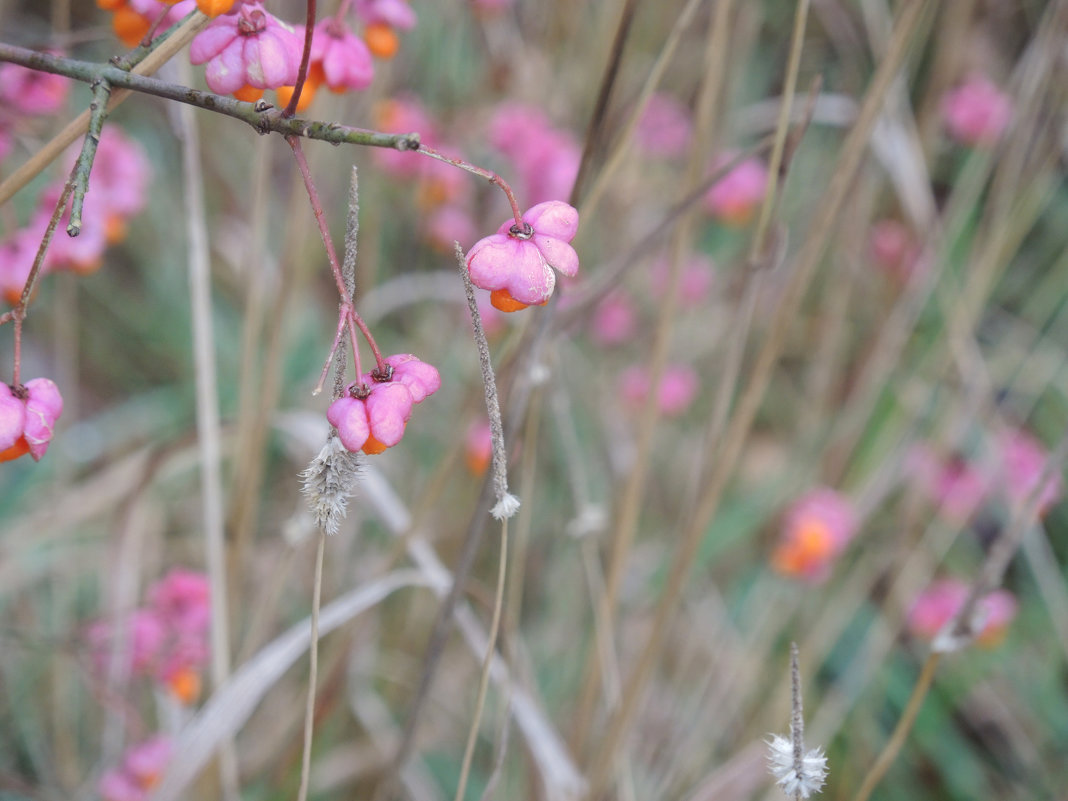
(747, 422)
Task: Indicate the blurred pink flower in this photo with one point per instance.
(1023, 459)
(6, 140)
(894, 249)
(83, 253)
(182, 599)
(514, 124)
(734, 198)
(614, 319)
(121, 174)
(403, 114)
(247, 52)
(28, 415)
(152, 9)
(394, 13)
(518, 269)
(957, 486)
(666, 127)
(118, 190)
(447, 224)
(976, 113)
(549, 167)
(478, 447)
(17, 253)
(145, 634)
(937, 605)
(678, 388)
(167, 640)
(345, 60)
(441, 183)
(698, 274)
(27, 91)
(141, 769)
(545, 158)
(816, 530)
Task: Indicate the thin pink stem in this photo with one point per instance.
(151, 33)
(302, 75)
(18, 314)
(18, 351)
(355, 350)
(331, 255)
(341, 319)
(521, 224)
(380, 362)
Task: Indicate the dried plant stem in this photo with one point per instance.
(617, 155)
(507, 504)
(166, 50)
(595, 128)
(775, 162)
(491, 648)
(313, 669)
(247, 464)
(207, 403)
(807, 260)
(524, 520)
(904, 725)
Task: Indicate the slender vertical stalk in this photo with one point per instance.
(904, 725)
(491, 648)
(207, 402)
(313, 670)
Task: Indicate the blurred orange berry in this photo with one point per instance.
(185, 685)
(307, 94)
(88, 266)
(115, 229)
(478, 448)
(249, 94)
(811, 546)
(110, 5)
(214, 8)
(381, 40)
(129, 26)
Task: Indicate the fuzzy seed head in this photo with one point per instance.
(803, 780)
(328, 482)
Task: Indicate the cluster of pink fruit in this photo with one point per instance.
(166, 640)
